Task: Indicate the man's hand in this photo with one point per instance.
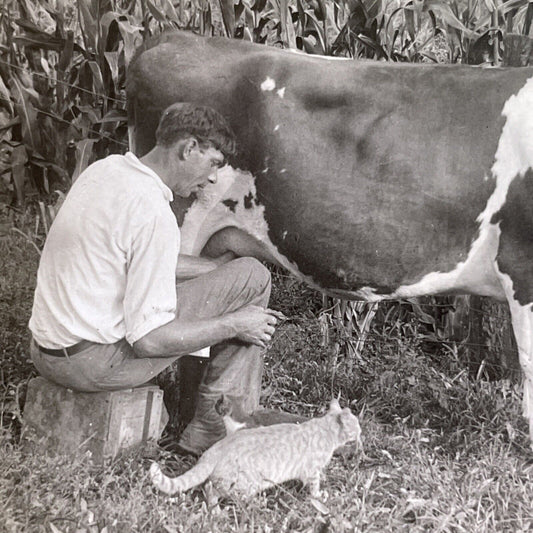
(251, 324)
(255, 324)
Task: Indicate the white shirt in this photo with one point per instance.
(108, 267)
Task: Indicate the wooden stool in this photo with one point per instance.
(100, 422)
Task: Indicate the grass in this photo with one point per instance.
(443, 451)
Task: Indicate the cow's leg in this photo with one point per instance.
(523, 328)
(522, 318)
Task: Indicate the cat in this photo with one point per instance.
(248, 461)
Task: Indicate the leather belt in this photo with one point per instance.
(68, 351)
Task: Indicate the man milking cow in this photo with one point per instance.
(107, 314)
(369, 180)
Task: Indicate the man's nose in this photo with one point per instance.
(213, 176)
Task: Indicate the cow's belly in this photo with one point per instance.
(232, 203)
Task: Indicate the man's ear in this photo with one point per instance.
(186, 147)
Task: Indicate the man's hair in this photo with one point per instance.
(207, 125)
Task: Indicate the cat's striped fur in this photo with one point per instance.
(251, 460)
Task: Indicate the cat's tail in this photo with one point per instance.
(170, 485)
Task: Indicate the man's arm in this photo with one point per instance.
(250, 324)
(190, 266)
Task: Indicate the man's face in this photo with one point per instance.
(201, 164)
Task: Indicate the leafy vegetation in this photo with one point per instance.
(446, 449)
(63, 63)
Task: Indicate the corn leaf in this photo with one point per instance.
(98, 80)
(154, 11)
(113, 62)
(259, 6)
(115, 115)
(88, 25)
(26, 112)
(131, 38)
(228, 16)
(528, 19)
(444, 12)
(169, 10)
(288, 35)
(84, 150)
(19, 157)
(5, 96)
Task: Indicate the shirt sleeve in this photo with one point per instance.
(150, 294)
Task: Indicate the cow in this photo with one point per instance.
(368, 180)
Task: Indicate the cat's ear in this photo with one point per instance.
(334, 406)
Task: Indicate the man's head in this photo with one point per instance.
(183, 120)
(191, 144)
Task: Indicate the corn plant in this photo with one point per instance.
(62, 77)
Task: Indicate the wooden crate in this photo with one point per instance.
(102, 422)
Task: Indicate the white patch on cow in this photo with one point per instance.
(208, 214)
(281, 92)
(268, 85)
(514, 155)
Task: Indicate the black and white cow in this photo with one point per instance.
(370, 180)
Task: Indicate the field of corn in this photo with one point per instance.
(434, 380)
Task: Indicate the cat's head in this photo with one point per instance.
(348, 423)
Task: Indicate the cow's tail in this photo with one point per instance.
(170, 485)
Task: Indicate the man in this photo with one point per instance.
(107, 314)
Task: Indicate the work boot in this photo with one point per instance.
(206, 427)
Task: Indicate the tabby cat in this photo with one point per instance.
(248, 461)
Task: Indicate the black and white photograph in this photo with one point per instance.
(266, 266)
